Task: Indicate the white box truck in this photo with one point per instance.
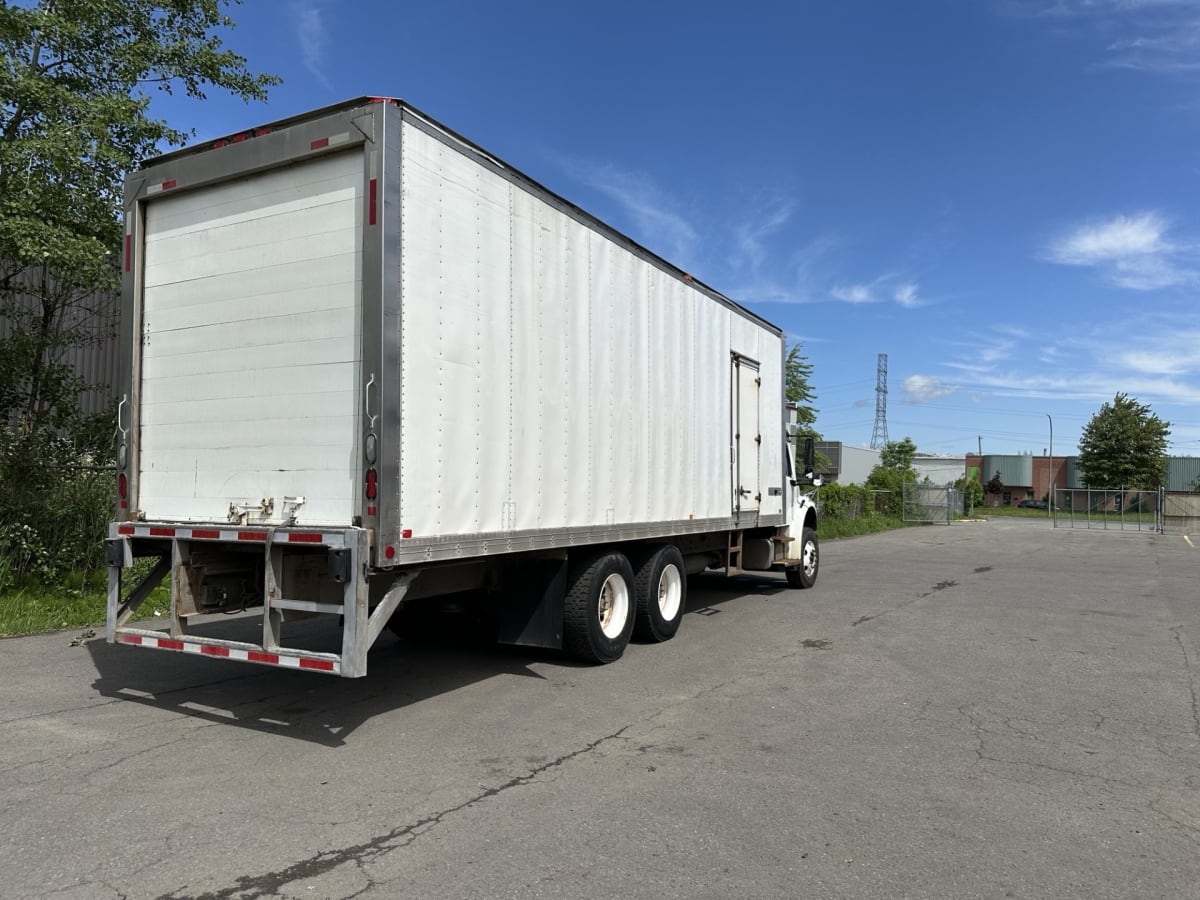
(366, 364)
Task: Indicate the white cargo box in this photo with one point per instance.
(363, 280)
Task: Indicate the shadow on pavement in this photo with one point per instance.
(303, 705)
(326, 710)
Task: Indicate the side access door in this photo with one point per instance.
(747, 435)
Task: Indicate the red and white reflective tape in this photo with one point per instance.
(332, 141)
(252, 535)
(308, 662)
(160, 187)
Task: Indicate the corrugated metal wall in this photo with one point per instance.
(1014, 470)
(1074, 475)
(1182, 472)
(833, 452)
(96, 361)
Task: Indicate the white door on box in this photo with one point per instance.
(747, 434)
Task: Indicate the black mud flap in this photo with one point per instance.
(531, 608)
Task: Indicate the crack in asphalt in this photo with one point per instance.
(1177, 631)
(940, 586)
(249, 887)
(1188, 830)
(980, 731)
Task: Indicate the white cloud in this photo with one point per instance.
(906, 295)
(854, 293)
(657, 224)
(1158, 348)
(925, 388)
(1154, 356)
(800, 278)
(886, 287)
(310, 34)
(1132, 251)
(1160, 36)
(752, 234)
(1119, 238)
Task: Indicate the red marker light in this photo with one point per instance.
(372, 484)
(122, 486)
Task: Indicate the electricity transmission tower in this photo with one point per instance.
(879, 435)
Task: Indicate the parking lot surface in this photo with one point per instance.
(992, 709)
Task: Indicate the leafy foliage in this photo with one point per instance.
(895, 468)
(972, 489)
(74, 118)
(56, 501)
(1124, 445)
(845, 501)
(899, 455)
(798, 390)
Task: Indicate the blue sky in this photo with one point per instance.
(1001, 195)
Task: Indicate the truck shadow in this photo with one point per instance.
(302, 705)
(327, 710)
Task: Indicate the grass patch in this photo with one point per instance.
(837, 527)
(81, 602)
(1013, 512)
(1078, 514)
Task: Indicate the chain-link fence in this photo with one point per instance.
(932, 502)
(1117, 510)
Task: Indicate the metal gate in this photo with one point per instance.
(1108, 510)
(931, 502)
(1181, 512)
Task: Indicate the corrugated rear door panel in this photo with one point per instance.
(251, 344)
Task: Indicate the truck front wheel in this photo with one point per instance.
(661, 594)
(599, 606)
(805, 574)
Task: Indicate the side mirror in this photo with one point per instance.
(809, 459)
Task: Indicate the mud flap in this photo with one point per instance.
(531, 609)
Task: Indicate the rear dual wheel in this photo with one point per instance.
(661, 593)
(598, 613)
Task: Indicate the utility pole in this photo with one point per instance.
(1050, 474)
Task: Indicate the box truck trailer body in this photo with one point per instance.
(365, 362)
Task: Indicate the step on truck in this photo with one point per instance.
(368, 366)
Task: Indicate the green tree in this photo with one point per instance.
(76, 82)
(75, 89)
(798, 390)
(899, 455)
(972, 488)
(893, 470)
(1124, 445)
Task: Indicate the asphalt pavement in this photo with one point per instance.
(993, 709)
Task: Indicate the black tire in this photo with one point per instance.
(805, 574)
(661, 585)
(599, 609)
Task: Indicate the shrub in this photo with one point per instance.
(54, 504)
